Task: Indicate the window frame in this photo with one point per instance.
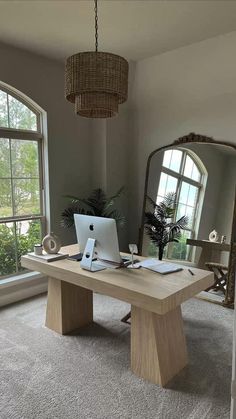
(29, 105)
(27, 135)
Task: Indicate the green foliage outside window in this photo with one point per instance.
(178, 251)
(19, 184)
(14, 244)
(14, 114)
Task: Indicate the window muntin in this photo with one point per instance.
(172, 160)
(191, 170)
(167, 184)
(19, 177)
(22, 217)
(181, 174)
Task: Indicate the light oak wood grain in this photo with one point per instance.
(140, 287)
(158, 347)
(69, 307)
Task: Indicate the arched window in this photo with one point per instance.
(21, 180)
(182, 173)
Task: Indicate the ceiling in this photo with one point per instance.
(135, 29)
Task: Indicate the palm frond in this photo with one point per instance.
(77, 200)
(97, 204)
(117, 195)
(152, 221)
(67, 220)
(97, 201)
(183, 222)
(169, 200)
(111, 201)
(159, 224)
(166, 208)
(116, 214)
(155, 236)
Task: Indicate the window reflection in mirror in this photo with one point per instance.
(203, 178)
(183, 173)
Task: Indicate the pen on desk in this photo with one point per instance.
(191, 271)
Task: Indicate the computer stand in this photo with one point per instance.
(87, 259)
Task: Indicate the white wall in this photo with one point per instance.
(111, 148)
(218, 196)
(191, 89)
(42, 80)
(110, 153)
(225, 204)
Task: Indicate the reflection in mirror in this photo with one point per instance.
(203, 178)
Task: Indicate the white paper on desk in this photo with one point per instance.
(148, 262)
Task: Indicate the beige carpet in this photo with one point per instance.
(47, 376)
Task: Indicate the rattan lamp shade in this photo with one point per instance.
(96, 82)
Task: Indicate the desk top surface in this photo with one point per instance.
(140, 287)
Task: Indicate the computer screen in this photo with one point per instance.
(104, 231)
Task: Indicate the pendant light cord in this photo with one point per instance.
(96, 24)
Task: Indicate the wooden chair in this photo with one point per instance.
(126, 318)
(220, 276)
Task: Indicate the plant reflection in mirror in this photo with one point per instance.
(161, 225)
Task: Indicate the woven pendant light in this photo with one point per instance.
(96, 82)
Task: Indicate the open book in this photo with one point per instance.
(160, 266)
(49, 257)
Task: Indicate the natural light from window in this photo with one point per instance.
(21, 189)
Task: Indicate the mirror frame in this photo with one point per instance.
(198, 138)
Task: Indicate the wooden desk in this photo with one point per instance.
(211, 251)
(158, 348)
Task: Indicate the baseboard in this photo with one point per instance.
(20, 292)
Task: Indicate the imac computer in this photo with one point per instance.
(97, 238)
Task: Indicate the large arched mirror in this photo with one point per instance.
(201, 174)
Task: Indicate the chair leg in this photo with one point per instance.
(219, 280)
(126, 318)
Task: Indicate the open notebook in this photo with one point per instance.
(160, 267)
(49, 257)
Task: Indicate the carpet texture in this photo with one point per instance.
(46, 376)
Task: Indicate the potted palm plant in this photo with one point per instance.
(97, 204)
(160, 224)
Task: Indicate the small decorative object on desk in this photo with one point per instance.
(223, 239)
(51, 243)
(38, 249)
(133, 249)
(214, 236)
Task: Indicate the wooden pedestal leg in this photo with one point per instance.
(205, 256)
(158, 347)
(69, 307)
